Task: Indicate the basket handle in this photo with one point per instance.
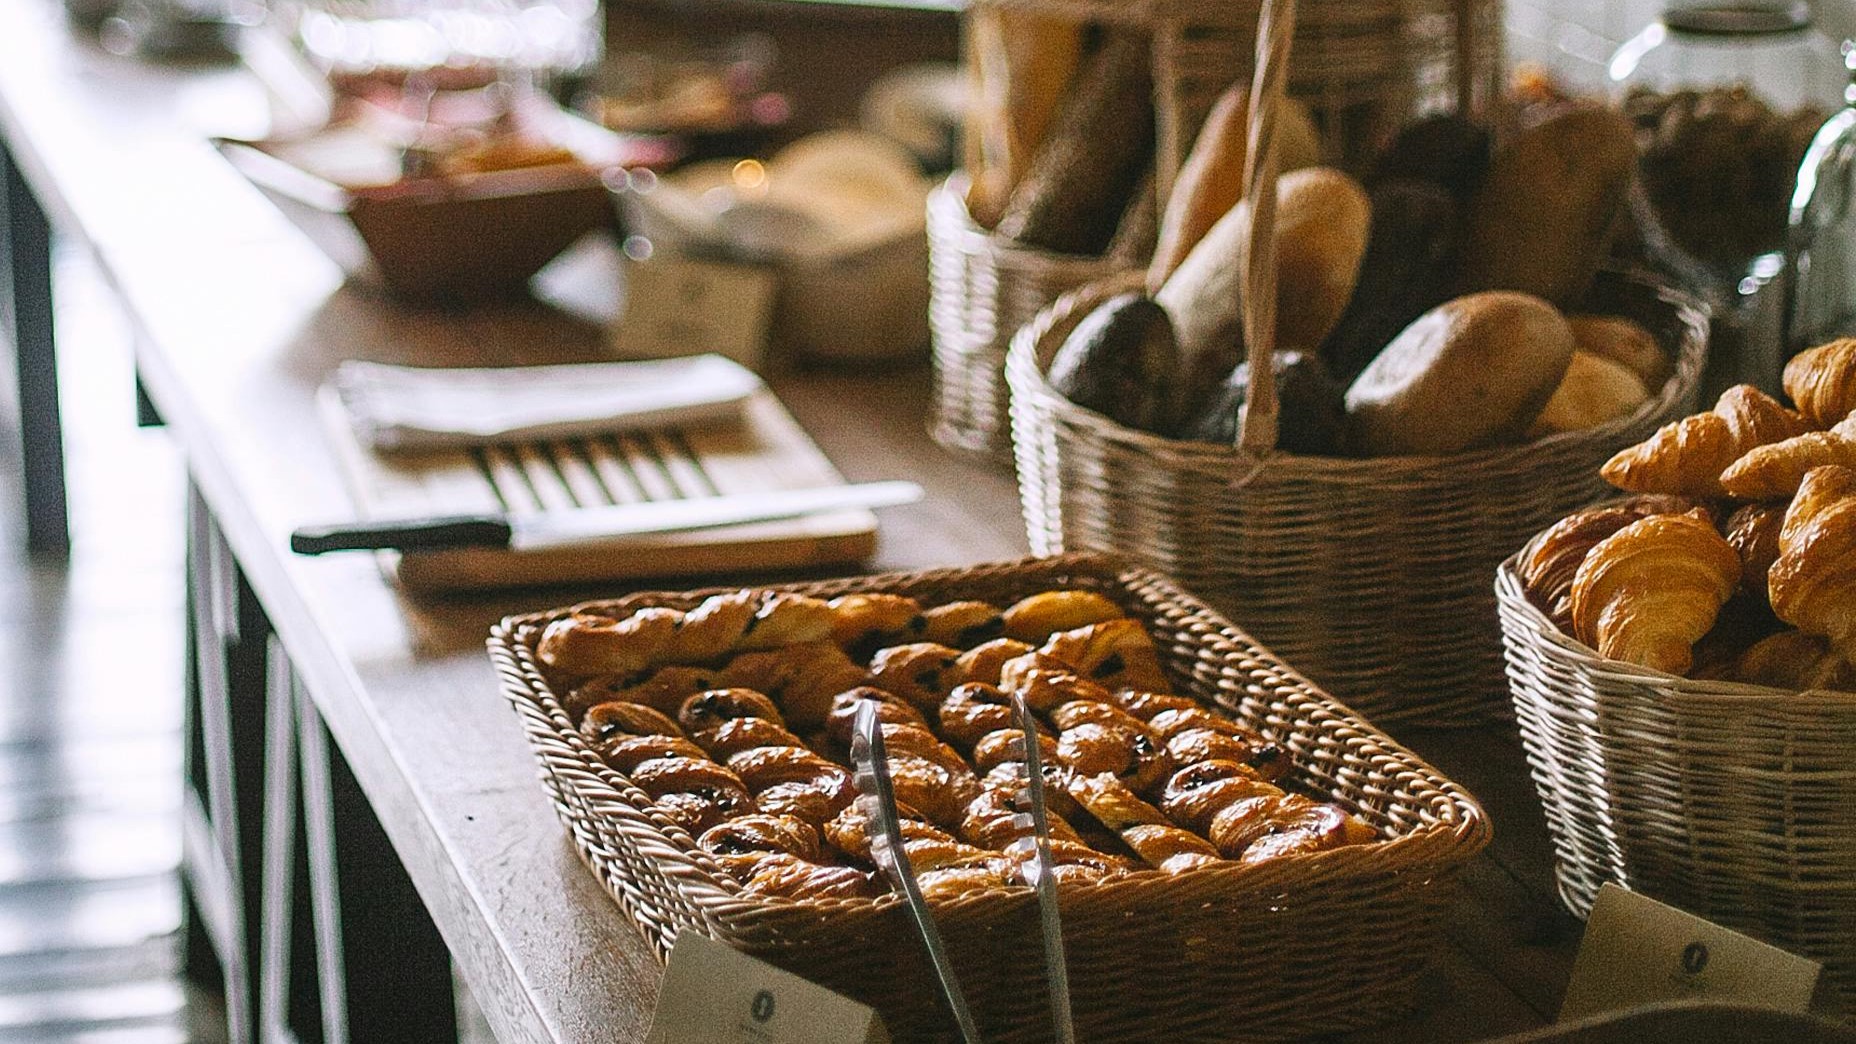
(1275, 30)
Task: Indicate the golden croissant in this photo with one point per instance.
(1549, 564)
(1822, 381)
(1687, 457)
(1773, 472)
(1753, 532)
(1794, 660)
(1648, 592)
(1813, 584)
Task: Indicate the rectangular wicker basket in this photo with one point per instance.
(1283, 949)
(1736, 802)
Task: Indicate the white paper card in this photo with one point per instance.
(714, 994)
(676, 306)
(1638, 951)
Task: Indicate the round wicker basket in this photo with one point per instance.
(1736, 802)
(1370, 575)
(1363, 68)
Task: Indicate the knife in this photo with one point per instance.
(529, 532)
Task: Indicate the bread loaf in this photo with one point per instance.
(1120, 361)
(1543, 220)
(1445, 150)
(1594, 390)
(1626, 343)
(1312, 412)
(1079, 183)
(1019, 67)
(1412, 251)
(1211, 180)
(1472, 372)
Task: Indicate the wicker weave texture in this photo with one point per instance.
(1363, 67)
(1372, 576)
(1736, 802)
(982, 288)
(1276, 950)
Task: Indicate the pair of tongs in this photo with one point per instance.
(878, 801)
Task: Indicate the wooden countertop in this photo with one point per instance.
(238, 320)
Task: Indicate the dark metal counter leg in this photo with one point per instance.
(41, 428)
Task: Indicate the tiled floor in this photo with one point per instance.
(90, 717)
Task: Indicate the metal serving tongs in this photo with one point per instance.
(1036, 864)
(877, 800)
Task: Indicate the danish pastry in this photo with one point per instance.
(610, 721)
(1036, 618)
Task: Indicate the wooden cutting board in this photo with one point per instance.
(767, 450)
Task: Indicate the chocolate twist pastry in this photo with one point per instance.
(1116, 654)
(922, 673)
(891, 710)
(663, 689)
(1036, 618)
(984, 663)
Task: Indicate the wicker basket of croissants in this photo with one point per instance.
(1683, 666)
(1331, 409)
(1080, 115)
(1234, 848)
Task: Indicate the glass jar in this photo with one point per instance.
(1823, 231)
(1726, 98)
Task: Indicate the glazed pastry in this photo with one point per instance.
(1112, 804)
(1268, 760)
(1472, 372)
(983, 663)
(849, 830)
(1623, 342)
(860, 618)
(1300, 826)
(956, 881)
(735, 735)
(1753, 531)
(704, 712)
(891, 709)
(1170, 723)
(628, 752)
(1046, 690)
(1548, 566)
(713, 628)
(760, 835)
(1774, 471)
(788, 877)
(1090, 712)
(1170, 848)
(802, 678)
(991, 820)
(1005, 747)
(786, 619)
(1116, 654)
(761, 767)
(1036, 618)
(973, 711)
(931, 789)
(611, 721)
(1144, 705)
(664, 689)
(1648, 592)
(815, 801)
(1199, 792)
(917, 742)
(1794, 660)
(1813, 583)
(1687, 457)
(922, 673)
(1211, 179)
(962, 624)
(1595, 390)
(586, 644)
(1822, 381)
(1135, 758)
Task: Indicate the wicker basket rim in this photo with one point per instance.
(1029, 354)
(948, 201)
(1450, 841)
(1513, 594)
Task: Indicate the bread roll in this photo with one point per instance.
(1321, 227)
(1543, 220)
(1211, 180)
(1312, 408)
(1626, 343)
(1415, 243)
(1119, 361)
(1471, 372)
(1594, 390)
(1445, 150)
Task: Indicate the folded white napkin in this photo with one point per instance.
(403, 407)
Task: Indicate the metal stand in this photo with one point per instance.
(41, 429)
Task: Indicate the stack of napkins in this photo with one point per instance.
(405, 408)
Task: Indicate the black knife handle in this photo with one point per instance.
(427, 534)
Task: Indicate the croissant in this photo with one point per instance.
(1794, 660)
(1773, 472)
(1813, 584)
(1822, 381)
(1648, 592)
(1687, 457)
(1753, 531)
(1548, 566)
